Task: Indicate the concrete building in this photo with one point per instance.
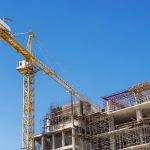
(122, 124)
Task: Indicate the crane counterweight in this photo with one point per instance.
(4, 26)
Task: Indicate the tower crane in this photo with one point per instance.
(28, 69)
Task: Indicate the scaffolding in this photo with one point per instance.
(75, 126)
(98, 124)
(102, 134)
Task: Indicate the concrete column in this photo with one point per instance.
(112, 142)
(141, 136)
(43, 142)
(111, 124)
(108, 103)
(63, 139)
(48, 125)
(73, 134)
(53, 141)
(73, 138)
(136, 100)
(139, 115)
(34, 144)
(112, 137)
(84, 144)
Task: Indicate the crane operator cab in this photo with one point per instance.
(24, 66)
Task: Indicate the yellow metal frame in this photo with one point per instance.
(28, 104)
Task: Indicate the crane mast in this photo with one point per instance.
(28, 68)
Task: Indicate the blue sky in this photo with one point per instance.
(100, 47)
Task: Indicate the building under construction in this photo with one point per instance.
(122, 124)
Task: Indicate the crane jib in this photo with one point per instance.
(8, 38)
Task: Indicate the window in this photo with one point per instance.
(20, 64)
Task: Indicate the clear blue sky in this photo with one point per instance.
(99, 47)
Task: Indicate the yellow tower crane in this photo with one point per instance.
(28, 68)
